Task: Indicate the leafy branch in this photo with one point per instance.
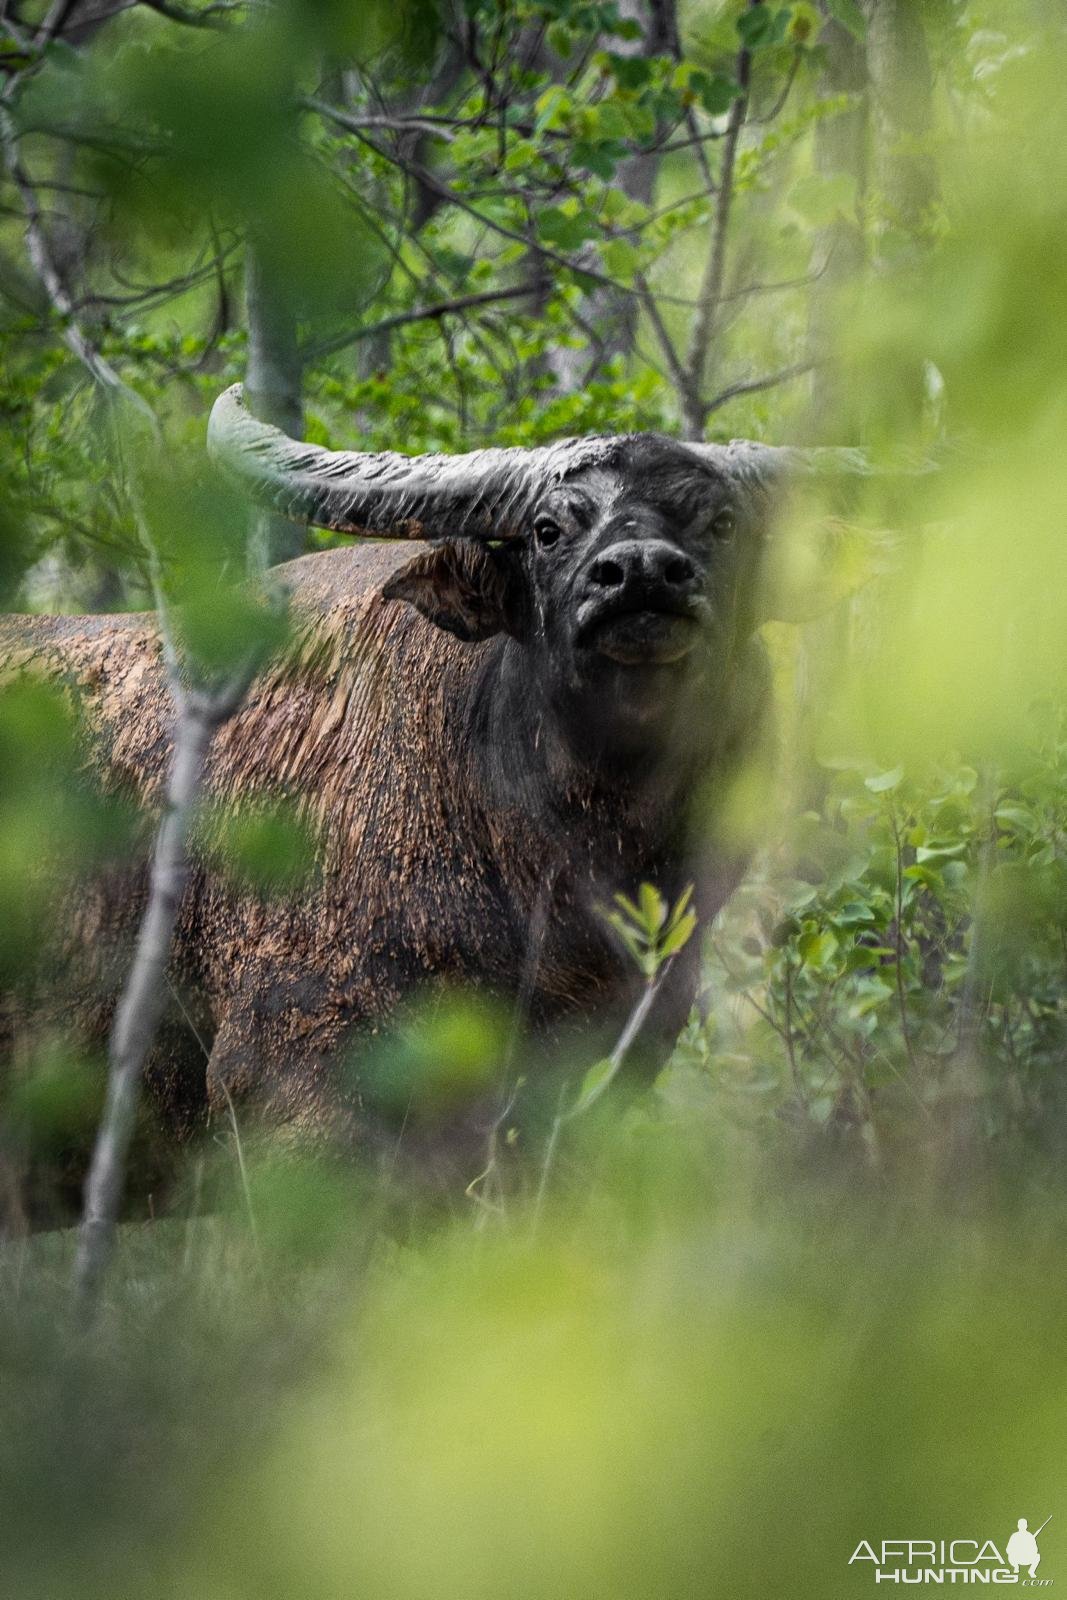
(653, 933)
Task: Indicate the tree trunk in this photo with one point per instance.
(273, 383)
(613, 315)
(839, 249)
(904, 176)
(902, 103)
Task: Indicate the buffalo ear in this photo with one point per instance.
(470, 590)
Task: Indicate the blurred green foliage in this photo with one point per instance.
(712, 1391)
(811, 1292)
(266, 847)
(448, 1049)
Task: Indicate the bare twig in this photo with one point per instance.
(439, 127)
(41, 259)
(787, 1035)
(549, 1162)
(402, 319)
(779, 286)
(246, 1187)
(659, 328)
(769, 380)
(972, 1011)
(616, 1061)
(55, 20)
(779, 104)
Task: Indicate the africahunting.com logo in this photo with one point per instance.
(956, 1560)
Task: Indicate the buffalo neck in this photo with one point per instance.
(559, 772)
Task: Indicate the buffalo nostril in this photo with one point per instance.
(678, 570)
(608, 574)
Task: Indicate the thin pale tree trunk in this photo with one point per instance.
(274, 384)
(700, 354)
(839, 248)
(140, 1006)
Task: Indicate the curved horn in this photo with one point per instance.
(485, 494)
(482, 495)
(765, 466)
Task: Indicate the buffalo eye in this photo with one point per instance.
(546, 531)
(724, 523)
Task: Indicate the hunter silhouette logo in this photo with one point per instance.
(957, 1560)
(1022, 1547)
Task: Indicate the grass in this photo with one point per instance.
(711, 1372)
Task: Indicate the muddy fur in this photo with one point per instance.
(460, 842)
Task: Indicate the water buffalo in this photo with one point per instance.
(489, 732)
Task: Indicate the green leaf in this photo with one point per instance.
(859, 958)
(678, 936)
(716, 94)
(804, 24)
(854, 914)
(653, 907)
(681, 905)
(849, 15)
(569, 232)
(560, 39)
(620, 258)
(600, 159)
(629, 936)
(268, 851)
(595, 1081)
(606, 120)
(628, 906)
(631, 72)
(1018, 817)
(940, 852)
(760, 26)
(883, 782)
(553, 109)
(817, 947)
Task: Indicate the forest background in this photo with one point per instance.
(786, 1290)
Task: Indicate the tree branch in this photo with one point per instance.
(659, 328)
(140, 1006)
(199, 712)
(402, 319)
(461, 202)
(55, 20)
(754, 385)
(779, 104)
(439, 127)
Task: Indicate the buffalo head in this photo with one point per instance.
(630, 587)
(627, 565)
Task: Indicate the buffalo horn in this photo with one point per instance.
(485, 494)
